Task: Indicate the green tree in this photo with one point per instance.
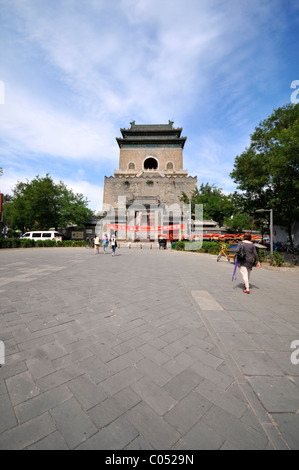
(40, 204)
(268, 171)
(238, 222)
(216, 205)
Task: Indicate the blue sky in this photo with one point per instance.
(73, 73)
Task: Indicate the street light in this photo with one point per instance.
(271, 226)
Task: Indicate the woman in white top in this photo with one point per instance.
(113, 244)
(96, 246)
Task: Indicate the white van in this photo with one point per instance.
(43, 235)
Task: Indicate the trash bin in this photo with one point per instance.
(173, 242)
(162, 243)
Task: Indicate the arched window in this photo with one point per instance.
(150, 163)
(131, 166)
(169, 166)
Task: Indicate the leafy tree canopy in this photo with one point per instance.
(268, 171)
(216, 205)
(239, 222)
(40, 204)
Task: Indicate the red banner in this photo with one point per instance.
(1, 202)
(153, 228)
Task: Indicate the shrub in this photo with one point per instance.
(212, 248)
(26, 243)
(180, 246)
(276, 259)
(49, 243)
(262, 255)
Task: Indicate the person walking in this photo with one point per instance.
(105, 243)
(97, 246)
(247, 254)
(113, 244)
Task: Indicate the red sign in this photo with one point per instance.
(145, 228)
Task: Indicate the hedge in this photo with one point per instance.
(207, 247)
(27, 243)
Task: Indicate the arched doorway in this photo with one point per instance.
(150, 163)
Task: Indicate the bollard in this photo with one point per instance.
(151, 247)
(140, 246)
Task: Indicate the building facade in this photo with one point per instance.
(142, 199)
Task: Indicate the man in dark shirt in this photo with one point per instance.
(246, 264)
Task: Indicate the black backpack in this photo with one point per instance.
(241, 253)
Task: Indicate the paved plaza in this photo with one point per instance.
(150, 349)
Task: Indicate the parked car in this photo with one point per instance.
(43, 235)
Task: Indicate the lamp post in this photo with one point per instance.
(271, 226)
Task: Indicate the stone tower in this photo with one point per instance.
(150, 175)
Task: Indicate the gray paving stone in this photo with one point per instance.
(8, 418)
(179, 363)
(289, 428)
(75, 425)
(50, 442)
(72, 358)
(59, 377)
(187, 412)
(119, 363)
(272, 342)
(126, 355)
(240, 435)
(115, 436)
(157, 432)
(22, 436)
(238, 341)
(41, 403)
(211, 358)
(10, 370)
(277, 394)
(155, 373)
(153, 395)
(153, 354)
(105, 412)
(182, 384)
(216, 377)
(121, 380)
(256, 363)
(39, 366)
(87, 392)
(95, 369)
(21, 387)
(222, 399)
(139, 444)
(200, 437)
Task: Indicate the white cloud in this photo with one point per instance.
(74, 74)
(35, 126)
(91, 191)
